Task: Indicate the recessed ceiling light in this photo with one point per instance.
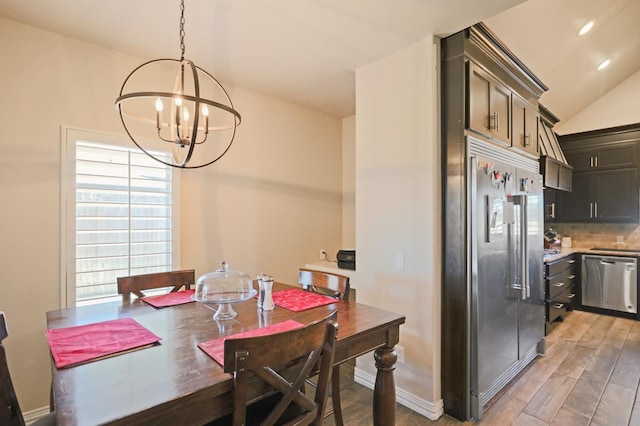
(586, 27)
(604, 64)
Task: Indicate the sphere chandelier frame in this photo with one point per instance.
(183, 136)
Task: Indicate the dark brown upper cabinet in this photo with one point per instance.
(489, 105)
(605, 178)
(524, 125)
(608, 156)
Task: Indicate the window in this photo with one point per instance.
(119, 215)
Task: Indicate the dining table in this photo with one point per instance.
(175, 382)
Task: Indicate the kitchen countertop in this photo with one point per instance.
(566, 251)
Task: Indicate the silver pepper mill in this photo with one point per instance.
(265, 297)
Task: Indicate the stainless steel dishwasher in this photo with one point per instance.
(610, 282)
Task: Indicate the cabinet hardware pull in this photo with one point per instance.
(553, 210)
(590, 209)
(595, 209)
(559, 305)
(590, 161)
(571, 296)
(595, 160)
(558, 284)
(527, 140)
(571, 277)
(497, 121)
(571, 261)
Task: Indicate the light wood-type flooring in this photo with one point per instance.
(588, 376)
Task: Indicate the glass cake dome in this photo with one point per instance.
(223, 288)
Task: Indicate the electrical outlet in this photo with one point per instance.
(400, 353)
(323, 254)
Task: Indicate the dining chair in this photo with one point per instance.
(335, 285)
(338, 286)
(10, 413)
(136, 283)
(283, 361)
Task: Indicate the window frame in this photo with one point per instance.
(68, 138)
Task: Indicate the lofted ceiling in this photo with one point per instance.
(543, 34)
(307, 51)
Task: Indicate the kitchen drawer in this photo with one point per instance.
(557, 266)
(558, 307)
(556, 311)
(555, 285)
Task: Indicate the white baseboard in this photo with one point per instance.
(428, 409)
(33, 415)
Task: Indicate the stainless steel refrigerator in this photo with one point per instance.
(506, 330)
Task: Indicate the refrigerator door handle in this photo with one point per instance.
(521, 201)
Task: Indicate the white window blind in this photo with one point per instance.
(122, 216)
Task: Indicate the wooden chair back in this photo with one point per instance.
(324, 282)
(313, 345)
(10, 413)
(136, 283)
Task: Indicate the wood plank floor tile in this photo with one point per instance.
(548, 400)
(603, 361)
(503, 412)
(527, 385)
(635, 415)
(615, 406)
(585, 395)
(577, 323)
(525, 419)
(575, 363)
(595, 334)
(569, 418)
(618, 332)
(635, 328)
(626, 373)
(531, 380)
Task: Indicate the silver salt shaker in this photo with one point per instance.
(265, 298)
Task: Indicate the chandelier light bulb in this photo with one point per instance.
(604, 64)
(159, 105)
(586, 27)
(205, 112)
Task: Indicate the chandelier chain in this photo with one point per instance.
(182, 30)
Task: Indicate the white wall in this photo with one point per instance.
(274, 200)
(617, 107)
(398, 204)
(269, 205)
(349, 182)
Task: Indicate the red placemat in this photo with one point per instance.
(215, 348)
(297, 300)
(170, 299)
(79, 344)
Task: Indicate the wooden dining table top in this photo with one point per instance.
(175, 382)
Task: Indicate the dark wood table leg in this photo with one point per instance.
(384, 394)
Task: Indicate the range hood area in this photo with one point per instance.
(556, 172)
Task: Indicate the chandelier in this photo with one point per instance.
(172, 103)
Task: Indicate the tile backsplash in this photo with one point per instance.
(610, 235)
